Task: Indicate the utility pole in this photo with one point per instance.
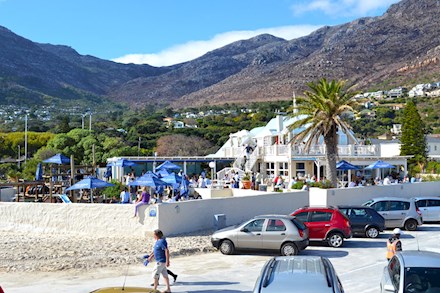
(25, 137)
(90, 122)
(19, 156)
(82, 120)
(139, 146)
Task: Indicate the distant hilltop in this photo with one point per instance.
(399, 48)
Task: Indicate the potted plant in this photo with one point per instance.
(246, 180)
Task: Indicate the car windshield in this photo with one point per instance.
(422, 279)
(368, 203)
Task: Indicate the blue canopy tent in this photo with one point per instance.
(162, 173)
(89, 183)
(167, 165)
(173, 180)
(59, 159)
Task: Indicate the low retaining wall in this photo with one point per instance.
(359, 195)
(189, 216)
(81, 219)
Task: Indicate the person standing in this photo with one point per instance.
(125, 196)
(394, 244)
(162, 256)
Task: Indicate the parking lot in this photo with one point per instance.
(359, 264)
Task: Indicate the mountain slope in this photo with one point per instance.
(400, 47)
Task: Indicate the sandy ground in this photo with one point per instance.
(359, 264)
(27, 252)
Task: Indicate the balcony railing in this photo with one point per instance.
(298, 150)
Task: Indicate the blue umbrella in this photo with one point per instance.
(148, 180)
(89, 183)
(59, 159)
(167, 165)
(379, 165)
(344, 165)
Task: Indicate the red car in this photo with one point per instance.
(325, 223)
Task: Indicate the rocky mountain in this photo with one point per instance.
(398, 48)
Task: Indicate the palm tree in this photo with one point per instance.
(319, 113)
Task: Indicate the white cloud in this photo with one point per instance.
(193, 49)
(351, 8)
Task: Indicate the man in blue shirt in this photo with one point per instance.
(125, 196)
(162, 256)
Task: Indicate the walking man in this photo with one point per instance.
(394, 244)
(162, 256)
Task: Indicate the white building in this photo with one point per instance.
(273, 153)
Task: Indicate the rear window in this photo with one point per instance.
(434, 203)
(299, 224)
(399, 205)
(320, 216)
(421, 203)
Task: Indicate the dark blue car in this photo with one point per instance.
(364, 220)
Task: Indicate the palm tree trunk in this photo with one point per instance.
(331, 156)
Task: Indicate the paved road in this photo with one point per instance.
(359, 265)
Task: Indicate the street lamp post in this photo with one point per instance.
(90, 122)
(82, 120)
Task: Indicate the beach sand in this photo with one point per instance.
(34, 252)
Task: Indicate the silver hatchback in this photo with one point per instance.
(398, 212)
(429, 207)
(412, 271)
(304, 273)
(272, 232)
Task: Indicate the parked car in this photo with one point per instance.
(412, 271)
(272, 232)
(325, 223)
(398, 212)
(304, 273)
(429, 207)
(364, 220)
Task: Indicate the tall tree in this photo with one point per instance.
(413, 134)
(319, 114)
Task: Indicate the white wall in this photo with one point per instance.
(189, 216)
(388, 150)
(82, 219)
(359, 195)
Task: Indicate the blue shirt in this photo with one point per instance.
(159, 250)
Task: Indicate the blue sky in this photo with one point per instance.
(165, 32)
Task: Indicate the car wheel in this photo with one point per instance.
(372, 232)
(335, 240)
(289, 248)
(411, 225)
(226, 247)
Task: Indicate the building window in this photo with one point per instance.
(283, 169)
(435, 148)
(300, 170)
(270, 168)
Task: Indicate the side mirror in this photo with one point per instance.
(244, 230)
(389, 288)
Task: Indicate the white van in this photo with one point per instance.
(430, 208)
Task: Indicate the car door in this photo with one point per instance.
(397, 212)
(382, 208)
(359, 219)
(391, 276)
(274, 234)
(250, 236)
(433, 207)
(422, 205)
(319, 224)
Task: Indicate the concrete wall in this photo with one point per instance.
(7, 193)
(82, 219)
(359, 195)
(189, 216)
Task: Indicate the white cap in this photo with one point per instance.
(397, 231)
